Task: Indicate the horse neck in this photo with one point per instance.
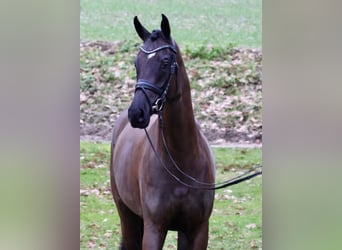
(179, 124)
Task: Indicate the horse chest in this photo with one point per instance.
(180, 192)
(176, 202)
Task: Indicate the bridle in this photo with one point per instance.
(144, 85)
(157, 107)
(249, 174)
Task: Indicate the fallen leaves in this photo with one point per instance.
(251, 226)
(226, 90)
(101, 191)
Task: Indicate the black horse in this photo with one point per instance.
(146, 187)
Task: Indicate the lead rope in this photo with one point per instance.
(205, 185)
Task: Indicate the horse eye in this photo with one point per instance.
(165, 62)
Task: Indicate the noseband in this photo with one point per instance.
(144, 85)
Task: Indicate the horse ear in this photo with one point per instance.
(165, 26)
(142, 32)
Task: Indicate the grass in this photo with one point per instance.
(219, 23)
(235, 222)
(205, 30)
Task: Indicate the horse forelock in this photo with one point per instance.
(157, 39)
(155, 34)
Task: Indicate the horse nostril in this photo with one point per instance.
(141, 116)
(138, 117)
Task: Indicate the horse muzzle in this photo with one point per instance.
(138, 117)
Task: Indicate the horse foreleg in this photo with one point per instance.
(182, 242)
(131, 227)
(154, 237)
(131, 224)
(194, 240)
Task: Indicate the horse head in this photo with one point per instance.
(155, 67)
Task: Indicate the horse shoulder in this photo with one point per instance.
(119, 125)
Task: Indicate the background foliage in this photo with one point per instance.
(221, 46)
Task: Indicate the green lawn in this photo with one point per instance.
(216, 22)
(236, 221)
